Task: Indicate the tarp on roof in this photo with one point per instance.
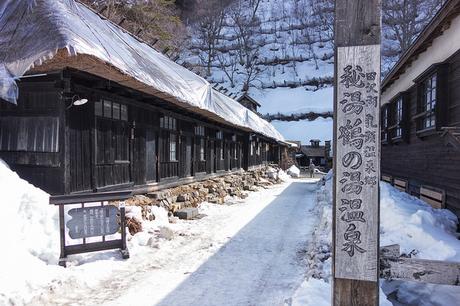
(33, 31)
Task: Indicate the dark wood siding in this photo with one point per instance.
(430, 159)
(80, 123)
(119, 139)
(32, 134)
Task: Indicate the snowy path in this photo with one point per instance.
(249, 253)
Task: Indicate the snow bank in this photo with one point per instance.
(293, 171)
(426, 232)
(414, 225)
(405, 220)
(31, 236)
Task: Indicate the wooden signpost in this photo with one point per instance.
(357, 152)
(94, 217)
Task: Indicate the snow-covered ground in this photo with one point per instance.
(272, 248)
(249, 252)
(405, 220)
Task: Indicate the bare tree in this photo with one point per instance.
(403, 20)
(208, 29)
(246, 25)
(228, 63)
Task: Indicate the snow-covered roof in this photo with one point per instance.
(248, 97)
(313, 151)
(33, 32)
(291, 144)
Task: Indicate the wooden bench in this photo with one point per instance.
(387, 178)
(433, 196)
(400, 184)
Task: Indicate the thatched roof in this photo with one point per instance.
(44, 35)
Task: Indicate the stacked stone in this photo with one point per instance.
(214, 190)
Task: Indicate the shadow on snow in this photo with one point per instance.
(260, 265)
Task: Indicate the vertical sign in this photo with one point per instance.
(357, 162)
(357, 152)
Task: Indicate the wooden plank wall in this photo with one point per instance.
(31, 134)
(431, 163)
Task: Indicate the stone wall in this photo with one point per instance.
(215, 190)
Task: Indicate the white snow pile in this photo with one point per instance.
(405, 220)
(277, 174)
(293, 171)
(425, 232)
(31, 237)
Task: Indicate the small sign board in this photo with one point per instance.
(89, 220)
(93, 221)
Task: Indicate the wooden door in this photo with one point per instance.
(151, 155)
(79, 138)
(112, 147)
(186, 158)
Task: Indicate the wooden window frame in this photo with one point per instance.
(222, 150)
(438, 103)
(173, 143)
(168, 123)
(385, 119)
(398, 108)
(100, 110)
(200, 130)
(202, 151)
(119, 123)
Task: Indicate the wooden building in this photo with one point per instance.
(318, 154)
(247, 101)
(90, 122)
(421, 114)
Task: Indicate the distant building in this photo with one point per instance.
(320, 155)
(248, 102)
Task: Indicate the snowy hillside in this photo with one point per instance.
(285, 61)
(281, 52)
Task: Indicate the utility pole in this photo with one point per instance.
(357, 153)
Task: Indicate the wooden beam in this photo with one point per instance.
(394, 267)
(357, 152)
(420, 270)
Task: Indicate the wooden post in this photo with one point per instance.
(357, 152)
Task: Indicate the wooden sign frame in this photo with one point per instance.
(84, 247)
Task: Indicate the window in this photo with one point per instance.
(385, 123)
(252, 146)
(31, 134)
(112, 133)
(111, 110)
(172, 147)
(167, 122)
(396, 118)
(199, 130)
(220, 135)
(222, 148)
(202, 153)
(428, 103)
